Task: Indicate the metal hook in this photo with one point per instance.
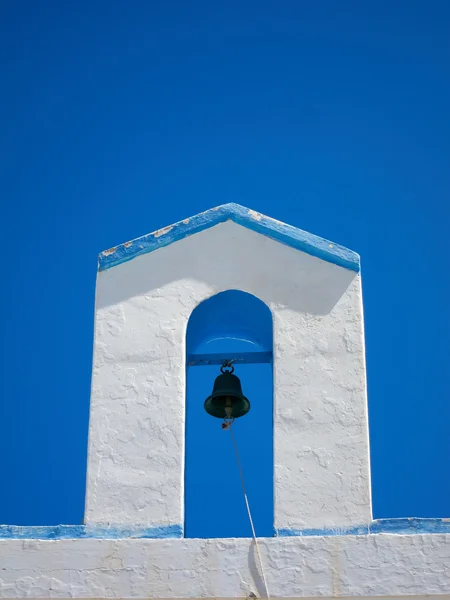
(227, 364)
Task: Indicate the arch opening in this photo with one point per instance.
(228, 324)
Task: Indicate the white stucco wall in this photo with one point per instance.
(136, 438)
(334, 566)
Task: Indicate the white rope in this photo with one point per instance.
(241, 474)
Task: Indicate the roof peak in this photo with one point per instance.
(246, 217)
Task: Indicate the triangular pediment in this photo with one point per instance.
(250, 219)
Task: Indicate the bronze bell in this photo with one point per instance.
(227, 400)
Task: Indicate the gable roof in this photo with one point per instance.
(271, 228)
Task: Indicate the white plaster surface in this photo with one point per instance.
(136, 438)
(334, 566)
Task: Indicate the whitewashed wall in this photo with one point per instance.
(136, 438)
(315, 567)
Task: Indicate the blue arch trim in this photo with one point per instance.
(231, 313)
(276, 230)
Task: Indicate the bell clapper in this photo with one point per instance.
(228, 419)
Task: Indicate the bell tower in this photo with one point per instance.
(162, 520)
(147, 291)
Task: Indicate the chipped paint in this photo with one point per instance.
(255, 215)
(109, 252)
(163, 231)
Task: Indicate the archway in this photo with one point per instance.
(235, 325)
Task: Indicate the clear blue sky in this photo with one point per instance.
(122, 117)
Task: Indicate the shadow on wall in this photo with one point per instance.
(254, 568)
(229, 256)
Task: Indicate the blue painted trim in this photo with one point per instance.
(285, 234)
(358, 530)
(411, 525)
(61, 532)
(400, 526)
(243, 358)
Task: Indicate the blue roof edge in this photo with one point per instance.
(399, 526)
(255, 221)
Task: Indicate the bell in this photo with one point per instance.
(227, 400)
